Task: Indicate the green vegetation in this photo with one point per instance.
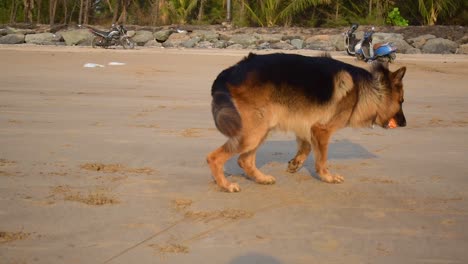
(394, 18)
(264, 13)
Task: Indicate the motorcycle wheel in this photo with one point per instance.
(98, 41)
(127, 43)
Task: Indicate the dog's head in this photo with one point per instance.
(390, 111)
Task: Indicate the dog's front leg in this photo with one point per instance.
(303, 150)
(320, 139)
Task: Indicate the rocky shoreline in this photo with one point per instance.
(409, 40)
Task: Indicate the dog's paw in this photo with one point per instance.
(266, 179)
(294, 166)
(232, 187)
(332, 178)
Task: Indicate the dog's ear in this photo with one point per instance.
(398, 75)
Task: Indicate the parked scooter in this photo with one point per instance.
(365, 50)
(116, 36)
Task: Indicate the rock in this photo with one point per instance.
(413, 51)
(204, 45)
(142, 36)
(418, 42)
(243, 39)
(263, 46)
(77, 37)
(3, 32)
(42, 39)
(191, 42)
(297, 43)
(282, 45)
(153, 44)
(11, 30)
(131, 33)
(206, 35)
(220, 44)
(386, 37)
(337, 41)
(319, 42)
(401, 45)
(235, 46)
(175, 40)
(439, 46)
(271, 38)
(162, 35)
(12, 39)
(463, 49)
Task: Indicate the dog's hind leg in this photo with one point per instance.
(303, 150)
(216, 161)
(320, 138)
(246, 161)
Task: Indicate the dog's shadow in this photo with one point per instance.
(284, 151)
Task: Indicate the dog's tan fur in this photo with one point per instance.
(355, 104)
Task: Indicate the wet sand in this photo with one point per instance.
(107, 165)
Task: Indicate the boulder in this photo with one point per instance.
(386, 37)
(220, 44)
(10, 30)
(142, 36)
(190, 43)
(319, 42)
(463, 49)
(282, 45)
(12, 39)
(439, 46)
(243, 39)
(3, 32)
(271, 38)
(42, 39)
(413, 51)
(153, 44)
(204, 44)
(162, 35)
(401, 45)
(297, 43)
(235, 46)
(263, 46)
(206, 35)
(337, 41)
(131, 33)
(418, 42)
(77, 37)
(175, 40)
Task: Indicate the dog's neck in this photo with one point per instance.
(364, 113)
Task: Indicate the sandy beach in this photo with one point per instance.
(107, 165)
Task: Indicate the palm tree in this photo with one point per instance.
(270, 12)
(432, 9)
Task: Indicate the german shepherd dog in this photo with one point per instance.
(311, 96)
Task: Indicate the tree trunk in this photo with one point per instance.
(201, 11)
(39, 5)
(52, 9)
(86, 12)
(116, 11)
(14, 9)
(65, 11)
(28, 7)
(80, 16)
(370, 8)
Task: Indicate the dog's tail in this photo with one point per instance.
(225, 114)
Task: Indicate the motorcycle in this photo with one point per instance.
(116, 36)
(362, 50)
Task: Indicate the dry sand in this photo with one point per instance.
(107, 165)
